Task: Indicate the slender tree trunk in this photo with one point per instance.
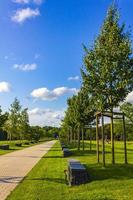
(90, 139)
(74, 137)
(112, 127)
(112, 140)
(78, 139)
(112, 133)
(83, 138)
(69, 136)
(124, 138)
(97, 139)
(103, 142)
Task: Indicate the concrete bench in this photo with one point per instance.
(77, 173)
(26, 143)
(63, 146)
(18, 144)
(4, 146)
(66, 152)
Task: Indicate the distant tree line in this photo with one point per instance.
(14, 125)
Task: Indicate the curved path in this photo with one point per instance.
(15, 166)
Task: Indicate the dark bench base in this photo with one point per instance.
(26, 143)
(66, 152)
(18, 144)
(4, 146)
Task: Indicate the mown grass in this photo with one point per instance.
(12, 146)
(46, 181)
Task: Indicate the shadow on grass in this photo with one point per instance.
(55, 180)
(9, 179)
(93, 152)
(118, 171)
(83, 153)
(54, 150)
(52, 156)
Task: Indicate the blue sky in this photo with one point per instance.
(41, 51)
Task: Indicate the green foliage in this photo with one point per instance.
(78, 114)
(3, 117)
(36, 133)
(118, 130)
(53, 132)
(12, 124)
(108, 65)
(127, 108)
(17, 123)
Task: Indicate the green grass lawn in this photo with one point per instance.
(46, 180)
(14, 148)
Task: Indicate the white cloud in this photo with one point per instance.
(130, 97)
(28, 1)
(37, 1)
(22, 15)
(21, 1)
(46, 94)
(5, 87)
(25, 67)
(73, 78)
(45, 117)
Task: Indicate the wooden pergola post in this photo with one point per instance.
(103, 144)
(97, 139)
(124, 139)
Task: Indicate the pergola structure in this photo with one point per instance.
(111, 115)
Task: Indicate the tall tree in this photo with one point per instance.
(78, 114)
(108, 66)
(23, 123)
(13, 122)
(3, 117)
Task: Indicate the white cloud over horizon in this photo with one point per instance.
(45, 117)
(46, 94)
(21, 15)
(5, 87)
(25, 67)
(73, 78)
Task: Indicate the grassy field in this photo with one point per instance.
(46, 181)
(13, 147)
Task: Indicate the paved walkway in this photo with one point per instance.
(15, 166)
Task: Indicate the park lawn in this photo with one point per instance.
(14, 148)
(46, 180)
